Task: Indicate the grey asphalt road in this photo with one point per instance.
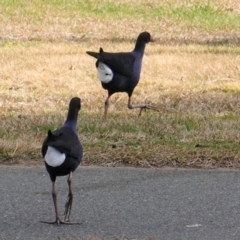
(114, 203)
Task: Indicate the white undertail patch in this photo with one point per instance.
(53, 157)
(104, 73)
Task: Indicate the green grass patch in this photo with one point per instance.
(205, 16)
(201, 15)
(172, 140)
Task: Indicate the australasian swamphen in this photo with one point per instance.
(120, 72)
(62, 152)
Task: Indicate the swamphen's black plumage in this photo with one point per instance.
(120, 72)
(62, 152)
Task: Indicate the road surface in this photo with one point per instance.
(118, 203)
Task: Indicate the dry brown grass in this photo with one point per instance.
(196, 86)
(195, 81)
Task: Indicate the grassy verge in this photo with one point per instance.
(170, 21)
(191, 72)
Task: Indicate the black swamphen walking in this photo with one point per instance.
(120, 72)
(62, 152)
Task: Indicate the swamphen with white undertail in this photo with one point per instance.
(62, 152)
(120, 72)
